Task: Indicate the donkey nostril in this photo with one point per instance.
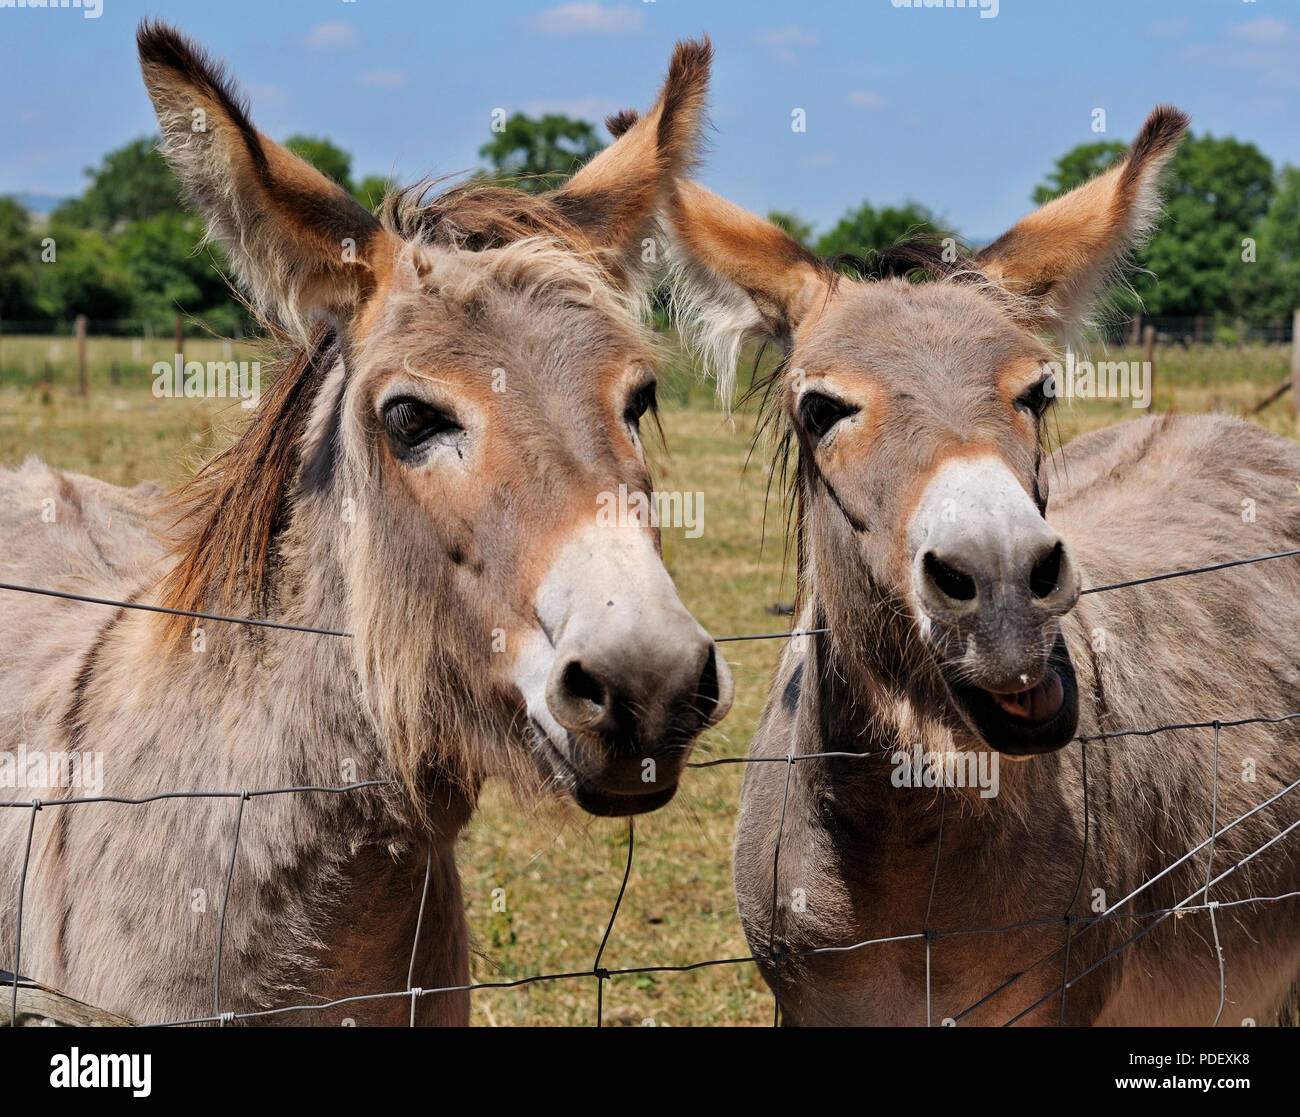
(951, 582)
(706, 692)
(1046, 574)
(579, 683)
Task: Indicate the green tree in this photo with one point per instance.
(370, 191)
(1219, 190)
(540, 153)
(866, 229)
(131, 183)
(17, 269)
(1272, 282)
(84, 277)
(792, 225)
(328, 158)
(169, 267)
(1076, 167)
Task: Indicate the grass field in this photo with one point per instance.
(561, 872)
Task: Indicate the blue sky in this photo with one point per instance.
(960, 112)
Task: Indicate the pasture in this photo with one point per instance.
(561, 871)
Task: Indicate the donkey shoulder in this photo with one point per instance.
(1205, 444)
(90, 533)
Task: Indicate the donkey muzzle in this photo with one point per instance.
(633, 679)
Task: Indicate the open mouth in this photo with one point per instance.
(591, 796)
(1039, 719)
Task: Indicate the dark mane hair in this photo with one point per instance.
(231, 510)
(922, 257)
(475, 215)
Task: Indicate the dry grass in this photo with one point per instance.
(561, 872)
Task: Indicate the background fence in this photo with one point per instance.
(1072, 926)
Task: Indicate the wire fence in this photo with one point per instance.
(1073, 925)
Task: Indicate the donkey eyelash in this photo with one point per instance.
(642, 401)
(819, 412)
(412, 422)
(1036, 399)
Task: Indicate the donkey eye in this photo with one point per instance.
(641, 402)
(413, 422)
(819, 413)
(1037, 397)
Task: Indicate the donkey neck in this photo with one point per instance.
(861, 693)
(327, 885)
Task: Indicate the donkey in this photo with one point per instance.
(472, 373)
(955, 636)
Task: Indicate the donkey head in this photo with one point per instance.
(479, 382)
(918, 412)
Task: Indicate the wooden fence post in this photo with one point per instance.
(81, 355)
(180, 337)
(1295, 362)
(1149, 356)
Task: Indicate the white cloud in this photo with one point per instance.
(866, 99)
(332, 35)
(589, 19)
(1263, 30)
(819, 160)
(383, 79)
(581, 108)
(264, 95)
(784, 43)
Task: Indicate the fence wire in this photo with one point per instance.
(1074, 925)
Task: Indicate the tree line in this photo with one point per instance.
(127, 248)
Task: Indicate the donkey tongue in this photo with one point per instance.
(1036, 704)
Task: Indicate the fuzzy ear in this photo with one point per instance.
(300, 244)
(616, 198)
(737, 278)
(1058, 259)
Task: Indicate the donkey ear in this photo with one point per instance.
(1059, 258)
(616, 198)
(299, 243)
(737, 278)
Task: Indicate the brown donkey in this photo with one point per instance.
(957, 637)
(426, 476)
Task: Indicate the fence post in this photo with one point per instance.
(180, 337)
(1295, 361)
(81, 355)
(1149, 357)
